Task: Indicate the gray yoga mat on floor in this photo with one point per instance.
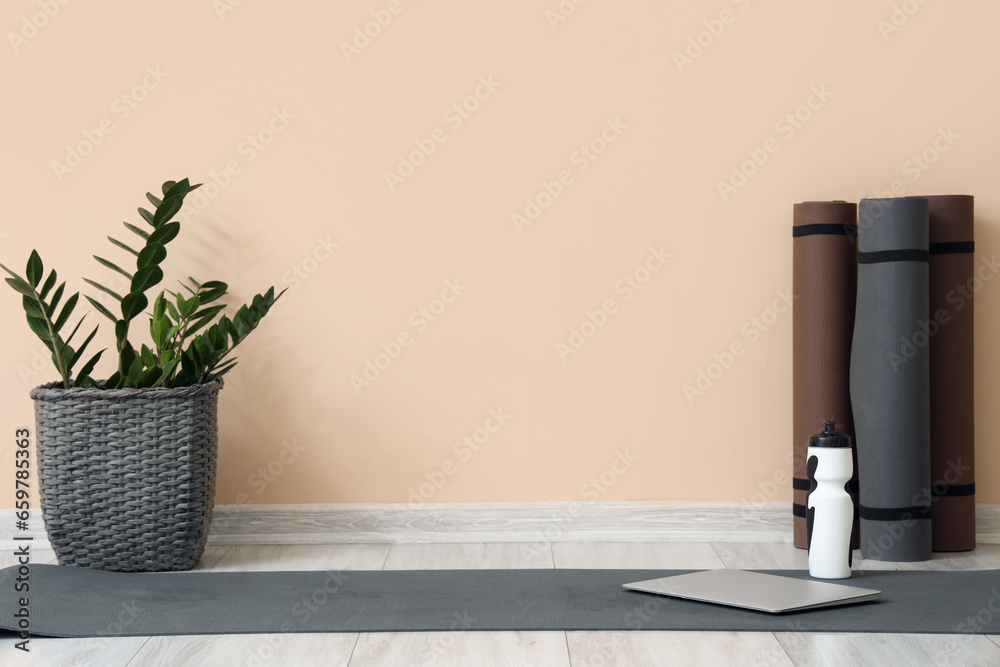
(890, 379)
(79, 602)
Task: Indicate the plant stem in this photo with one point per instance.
(55, 340)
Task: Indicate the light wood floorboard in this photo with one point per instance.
(472, 556)
(461, 649)
(276, 557)
(294, 650)
(627, 649)
(842, 649)
(49, 652)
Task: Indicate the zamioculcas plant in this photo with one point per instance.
(187, 347)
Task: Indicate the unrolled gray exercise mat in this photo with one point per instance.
(79, 602)
(890, 379)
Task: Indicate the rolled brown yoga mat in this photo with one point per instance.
(824, 286)
(949, 330)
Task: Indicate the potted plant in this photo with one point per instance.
(126, 465)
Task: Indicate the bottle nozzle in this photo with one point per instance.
(831, 428)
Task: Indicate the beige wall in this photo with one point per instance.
(309, 207)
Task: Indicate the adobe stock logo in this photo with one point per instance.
(370, 30)
(463, 449)
(455, 117)
(420, 320)
(121, 107)
(582, 158)
(562, 12)
(752, 330)
(787, 126)
(627, 286)
(713, 29)
(899, 17)
(31, 25)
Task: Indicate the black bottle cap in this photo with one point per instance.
(830, 438)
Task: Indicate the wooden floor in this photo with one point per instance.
(596, 649)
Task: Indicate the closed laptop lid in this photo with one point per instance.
(755, 590)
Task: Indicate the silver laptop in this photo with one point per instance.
(755, 590)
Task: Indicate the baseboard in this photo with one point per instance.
(507, 522)
(522, 522)
(503, 522)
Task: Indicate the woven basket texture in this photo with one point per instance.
(127, 476)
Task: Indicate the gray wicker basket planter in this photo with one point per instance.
(127, 476)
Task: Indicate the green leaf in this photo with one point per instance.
(132, 305)
(212, 290)
(168, 368)
(189, 289)
(190, 369)
(113, 267)
(86, 382)
(164, 233)
(173, 311)
(240, 322)
(66, 311)
(31, 307)
(148, 357)
(127, 355)
(138, 230)
(217, 336)
(134, 372)
(203, 317)
(39, 327)
(180, 188)
(153, 200)
(167, 210)
(87, 369)
(188, 307)
(114, 382)
(102, 309)
(145, 278)
(49, 284)
(54, 303)
(159, 306)
(115, 295)
(220, 370)
(79, 352)
(227, 324)
(147, 216)
(75, 329)
(121, 335)
(149, 377)
(202, 350)
(158, 327)
(153, 253)
(21, 287)
(34, 269)
(123, 246)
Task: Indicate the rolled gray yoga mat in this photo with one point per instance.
(890, 379)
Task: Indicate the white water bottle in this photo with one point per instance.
(829, 507)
